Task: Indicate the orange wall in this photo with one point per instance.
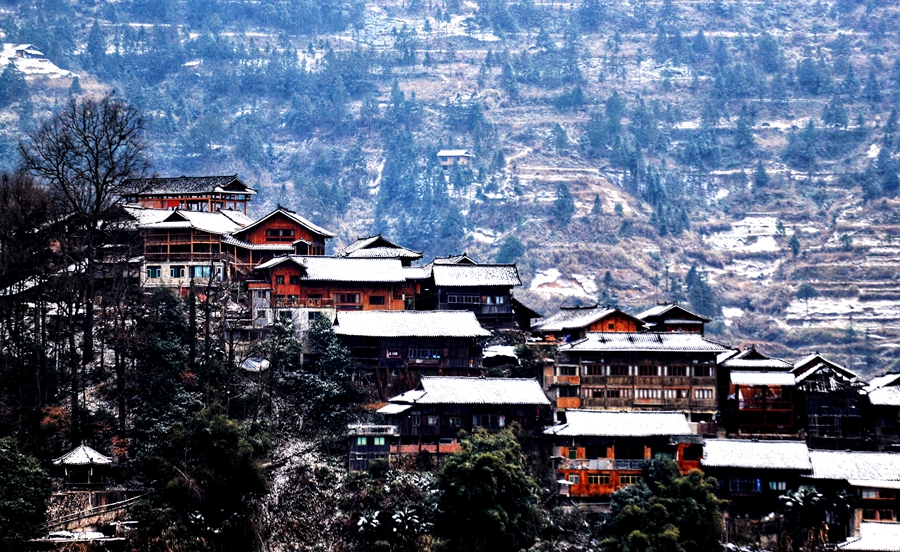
(327, 289)
(257, 235)
(619, 324)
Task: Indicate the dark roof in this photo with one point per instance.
(187, 184)
(521, 308)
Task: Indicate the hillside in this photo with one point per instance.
(754, 141)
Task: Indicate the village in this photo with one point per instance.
(439, 344)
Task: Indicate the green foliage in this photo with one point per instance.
(511, 250)
(700, 294)
(808, 512)
(564, 206)
(206, 474)
(488, 501)
(24, 496)
(665, 512)
(13, 87)
(393, 510)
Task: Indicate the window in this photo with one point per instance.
(678, 393)
(593, 370)
(432, 420)
(392, 353)
(648, 393)
(378, 441)
(499, 299)
(154, 271)
(598, 479)
(618, 370)
(703, 394)
(677, 371)
(454, 421)
(424, 352)
(488, 420)
(361, 441)
(414, 421)
(376, 299)
(294, 280)
(702, 371)
(347, 298)
(280, 234)
(618, 393)
(445, 441)
(201, 271)
(573, 453)
(743, 485)
(285, 315)
(777, 485)
(611, 326)
(279, 280)
(314, 315)
(567, 370)
(648, 371)
(629, 479)
(473, 299)
(574, 478)
(567, 392)
(868, 493)
(879, 514)
(176, 271)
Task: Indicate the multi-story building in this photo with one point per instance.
(573, 323)
(191, 193)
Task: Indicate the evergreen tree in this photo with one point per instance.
(761, 178)
(564, 206)
(24, 496)
(511, 250)
(834, 114)
(13, 87)
(700, 294)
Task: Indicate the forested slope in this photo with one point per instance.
(618, 144)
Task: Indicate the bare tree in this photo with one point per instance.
(87, 154)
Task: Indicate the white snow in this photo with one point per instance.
(32, 67)
(753, 234)
(551, 282)
(837, 312)
(730, 313)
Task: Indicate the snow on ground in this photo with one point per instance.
(730, 313)
(836, 312)
(753, 234)
(551, 282)
(485, 235)
(32, 67)
(588, 284)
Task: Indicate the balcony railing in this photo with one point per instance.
(305, 303)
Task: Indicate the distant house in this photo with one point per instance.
(672, 317)
(573, 323)
(451, 157)
(379, 247)
(192, 193)
(28, 51)
(637, 371)
(883, 411)
(429, 417)
(396, 349)
(753, 474)
(595, 453)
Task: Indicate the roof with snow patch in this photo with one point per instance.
(340, 269)
(82, 456)
(855, 466)
(631, 341)
(462, 390)
(573, 318)
(463, 275)
(599, 423)
(409, 324)
(740, 453)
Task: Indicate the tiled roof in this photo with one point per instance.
(339, 269)
(670, 309)
(144, 215)
(294, 217)
(735, 453)
(757, 364)
(455, 153)
(409, 324)
(874, 536)
(883, 381)
(830, 375)
(628, 341)
(285, 247)
(377, 247)
(187, 184)
(854, 465)
(455, 259)
(82, 456)
(461, 275)
(804, 364)
(573, 318)
(216, 222)
(417, 272)
(501, 351)
(620, 424)
(461, 390)
(784, 379)
(885, 396)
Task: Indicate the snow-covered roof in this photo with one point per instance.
(377, 247)
(737, 453)
(464, 258)
(417, 272)
(294, 217)
(82, 456)
(145, 215)
(455, 153)
(573, 318)
(757, 364)
(462, 275)
(340, 269)
(599, 423)
(33, 65)
(832, 377)
(219, 222)
(394, 408)
(185, 185)
(874, 536)
(673, 311)
(285, 247)
(784, 379)
(628, 341)
(462, 390)
(885, 396)
(806, 363)
(501, 351)
(409, 324)
(855, 465)
(883, 381)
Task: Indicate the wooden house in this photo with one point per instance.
(873, 478)
(637, 371)
(28, 51)
(745, 360)
(454, 157)
(379, 247)
(753, 474)
(84, 467)
(191, 193)
(280, 232)
(301, 288)
(672, 317)
(484, 289)
(573, 323)
(595, 453)
(829, 404)
(882, 415)
(395, 349)
(186, 246)
(429, 417)
(760, 403)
